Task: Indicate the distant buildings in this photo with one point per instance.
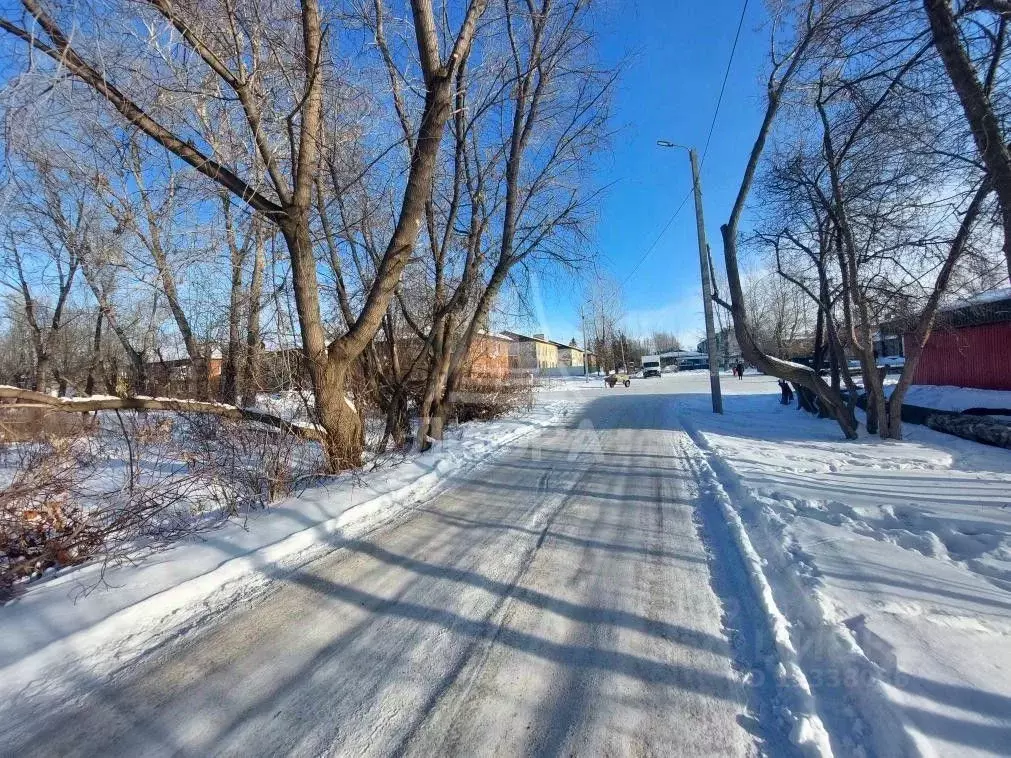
(173, 375)
(570, 355)
(531, 351)
(727, 349)
(284, 369)
(489, 355)
(487, 358)
(537, 353)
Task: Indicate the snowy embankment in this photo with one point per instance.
(80, 624)
(956, 398)
(891, 562)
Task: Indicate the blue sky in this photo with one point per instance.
(676, 52)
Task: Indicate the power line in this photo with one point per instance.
(705, 150)
(658, 237)
(723, 86)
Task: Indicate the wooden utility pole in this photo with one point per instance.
(707, 285)
(707, 288)
(586, 357)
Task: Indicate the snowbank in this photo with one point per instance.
(945, 398)
(891, 562)
(798, 708)
(81, 623)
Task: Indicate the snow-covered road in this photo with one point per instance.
(556, 599)
(630, 576)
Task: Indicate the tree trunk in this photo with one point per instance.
(41, 381)
(345, 438)
(96, 356)
(329, 367)
(230, 372)
(251, 363)
(790, 372)
(798, 375)
(345, 443)
(395, 427)
(432, 405)
(979, 112)
(392, 390)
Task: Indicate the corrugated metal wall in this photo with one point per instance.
(973, 356)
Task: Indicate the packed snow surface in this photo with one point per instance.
(82, 622)
(554, 599)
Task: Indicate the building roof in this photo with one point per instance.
(683, 354)
(1001, 293)
(977, 312)
(543, 340)
(495, 336)
(993, 307)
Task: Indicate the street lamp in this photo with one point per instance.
(707, 288)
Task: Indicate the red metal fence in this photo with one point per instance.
(971, 356)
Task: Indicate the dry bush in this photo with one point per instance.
(41, 525)
(129, 482)
(254, 465)
(482, 398)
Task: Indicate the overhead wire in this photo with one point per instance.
(705, 150)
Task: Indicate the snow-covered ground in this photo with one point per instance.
(85, 621)
(890, 560)
(945, 398)
(865, 586)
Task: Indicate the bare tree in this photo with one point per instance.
(29, 225)
(869, 236)
(221, 42)
(508, 195)
(251, 356)
(976, 94)
(807, 22)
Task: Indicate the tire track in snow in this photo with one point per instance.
(471, 663)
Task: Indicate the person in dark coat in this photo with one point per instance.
(787, 397)
(740, 370)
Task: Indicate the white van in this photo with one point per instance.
(650, 366)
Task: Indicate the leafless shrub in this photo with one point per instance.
(27, 424)
(137, 482)
(485, 398)
(41, 525)
(254, 465)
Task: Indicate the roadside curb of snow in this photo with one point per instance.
(817, 643)
(72, 664)
(807, 731)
